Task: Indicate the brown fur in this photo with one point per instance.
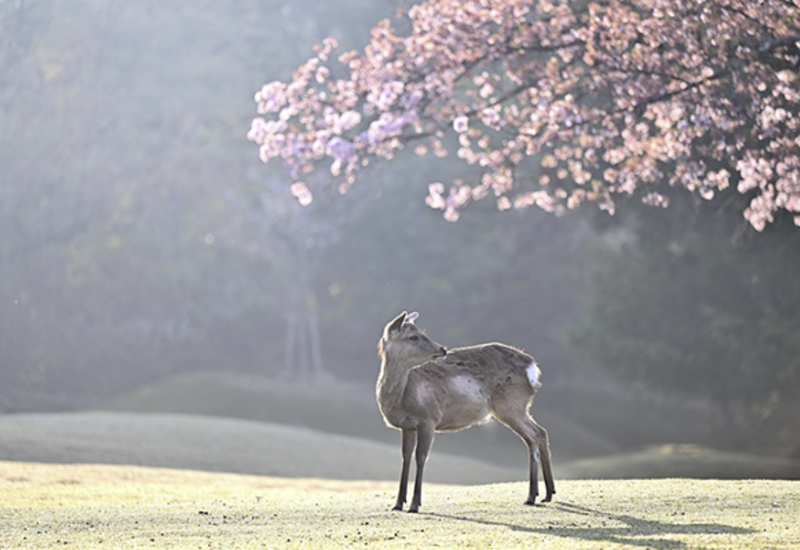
(423, 389)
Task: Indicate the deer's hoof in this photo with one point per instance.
(530, 501)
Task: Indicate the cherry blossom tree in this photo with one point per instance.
(557, 103)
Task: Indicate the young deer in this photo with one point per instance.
(423, 388)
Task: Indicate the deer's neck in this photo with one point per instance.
(392, 383)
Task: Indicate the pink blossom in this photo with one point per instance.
(340, 149)
(435, 198)
(460, 124)
(598, 99)
(301, 192)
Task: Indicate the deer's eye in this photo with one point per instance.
(413, 337)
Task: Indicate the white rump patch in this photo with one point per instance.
(534, 374)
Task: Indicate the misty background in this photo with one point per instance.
(149, 262)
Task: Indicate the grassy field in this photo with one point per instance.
(87, 506)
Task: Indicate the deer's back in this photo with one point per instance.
(463, 387)
(492, 363)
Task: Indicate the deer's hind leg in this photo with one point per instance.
(547, 467)
(536, 439)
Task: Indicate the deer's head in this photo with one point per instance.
(403, 342)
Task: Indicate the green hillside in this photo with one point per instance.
(219, 444)
(688, 461)
(247, 447)
(342, 409)
(350, 411)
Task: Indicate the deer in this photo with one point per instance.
(423, 389)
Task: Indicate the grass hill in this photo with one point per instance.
(342, 409)
(685, 461)
(350, 411)
(247, 447)
(219, 444)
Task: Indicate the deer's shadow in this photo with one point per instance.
(628, 529)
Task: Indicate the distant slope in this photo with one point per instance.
(343, 409)
(217, 444)
(334, 407)
(683, 461)
(320, 411)
(246, 447)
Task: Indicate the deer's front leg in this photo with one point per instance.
(424, 443)
(409, 442)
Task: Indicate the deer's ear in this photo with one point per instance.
(395, 325)
(411, 317)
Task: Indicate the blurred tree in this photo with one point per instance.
(692, 302)
(560, 102)
(101, 265)
(124, 254)
(492, 276)
(292, 239)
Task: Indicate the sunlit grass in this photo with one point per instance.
(78, 506)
